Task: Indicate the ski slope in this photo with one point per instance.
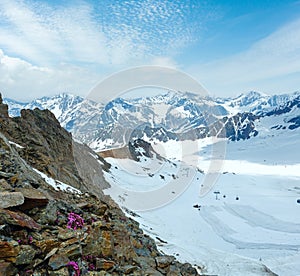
(248, 223)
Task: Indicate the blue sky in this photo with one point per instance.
(230, 47)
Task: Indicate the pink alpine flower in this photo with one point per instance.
(75, 267)
(75, 221)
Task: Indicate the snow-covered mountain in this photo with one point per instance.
(248, 223)
(59, 105)
(256, 102)
(170, 116)
(70, 110)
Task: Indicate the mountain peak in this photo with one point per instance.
(253, 95)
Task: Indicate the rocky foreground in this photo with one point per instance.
(47, 231)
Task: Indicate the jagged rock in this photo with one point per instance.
(2, 228)
(6, 175)
(33, 198)
(104, 264)
(148, 248)
(7, 269)
(174, 270)
(3, 109)
(187, 270)
(4, 186)
(47, 245)
(100, 273)
(58, 261)
(163, 263)
(36, 262)
(72, 251)
(49, 147)
(26, 255)
(99, 242)
(137, 144)
(107, 243)
(66, 234)
(146, 262)
(11, 199)
(51, 253)
(60, 272)
(90, 168)
(152, 272)
(18, 218)
(42, 272)
(9, 249)
(49, 215)
(123, 247)
(137, 244)
(75, 240)
(127, 269)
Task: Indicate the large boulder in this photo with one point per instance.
(11, 199)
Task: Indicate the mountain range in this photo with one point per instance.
(248, 215)
(170, 116)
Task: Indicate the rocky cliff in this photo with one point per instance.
(50, 228)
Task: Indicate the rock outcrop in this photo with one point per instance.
(45, 231)
(49, 148)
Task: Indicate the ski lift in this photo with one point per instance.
(217, 194)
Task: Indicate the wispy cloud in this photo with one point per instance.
(50, 48)
(269, 60)
(112, 33)
(43, 35)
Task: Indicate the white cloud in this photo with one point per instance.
(23, 81)
(63, 49)
(271, 64)
(27, 35)
(108, 34)
(44, 35)
(164, 62)
(51, 48)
